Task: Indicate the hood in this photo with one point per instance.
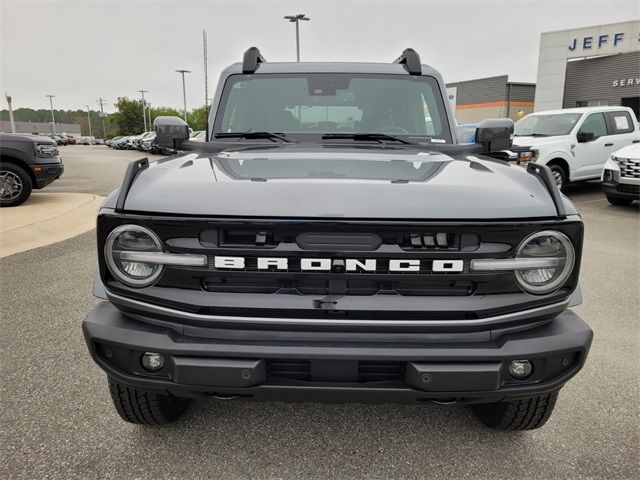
(630, 151)
(537, 142)
(339, 182)
(18, 137)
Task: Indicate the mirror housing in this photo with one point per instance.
(584, 137)
(170, 132)
(494, 134)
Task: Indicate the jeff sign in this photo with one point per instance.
(604, 40)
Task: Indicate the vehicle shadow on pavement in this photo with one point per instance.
(579, 189)
(307, 440)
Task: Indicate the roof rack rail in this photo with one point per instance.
(129, 177)
(251, 60)
(410, 60)
(544, 174)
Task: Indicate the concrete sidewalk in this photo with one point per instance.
(46, 218)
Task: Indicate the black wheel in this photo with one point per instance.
(15, 185)
(146, 408)
(525, 414)
(618, 201)
(559, 175)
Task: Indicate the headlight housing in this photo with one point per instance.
(550, 247)
(128, 238)
(45, 150)
(526, 156)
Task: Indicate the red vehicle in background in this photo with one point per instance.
(70, 140)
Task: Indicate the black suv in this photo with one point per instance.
(332, 241)
(27, 162)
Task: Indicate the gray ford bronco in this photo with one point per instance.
(27, 162)
(332, 241)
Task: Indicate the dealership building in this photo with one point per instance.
(589, 66)
(40, 128)
(493, 97)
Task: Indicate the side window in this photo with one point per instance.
(595, 124)
(619, 122)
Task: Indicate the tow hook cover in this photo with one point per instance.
(453, 377)
(219, 372)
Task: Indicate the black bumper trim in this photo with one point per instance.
(46, 173)
(153, 310)
(621, 190)
(566, 334)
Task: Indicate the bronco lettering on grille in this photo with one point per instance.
(341, 265)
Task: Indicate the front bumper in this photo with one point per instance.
(45, 173)
(337, 367)
(617, 185)
(622, 190)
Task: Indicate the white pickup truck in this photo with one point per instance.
(575, 143)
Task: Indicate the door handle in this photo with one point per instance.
(608, 144)
(636, 141)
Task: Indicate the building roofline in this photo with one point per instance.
(590, 26)
(478, 79)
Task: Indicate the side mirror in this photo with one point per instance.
(584, 137)
(170, 132)
(494, 134)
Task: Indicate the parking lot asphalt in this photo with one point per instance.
(57, 420)
(94, 168)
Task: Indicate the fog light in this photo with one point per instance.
(520, 369)
(608, 175)
(152, 362)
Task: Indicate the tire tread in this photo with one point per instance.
(523, 414)
(145, 408)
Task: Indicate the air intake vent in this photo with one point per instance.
(367, 371)
(380, 371)
(290, 369)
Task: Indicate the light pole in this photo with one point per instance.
(144, 113)
(53, 119)
(184, 92)
(102, 101)
(13, 124)
(296, 19)
(89, 119)
(149, 112)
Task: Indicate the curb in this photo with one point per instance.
(46, 218)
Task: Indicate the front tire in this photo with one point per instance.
(618, 201)
(559, 175)
(524, 414)
(15, 185)
(146, 408)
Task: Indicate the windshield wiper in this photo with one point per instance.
(269, 135)
(381, 137)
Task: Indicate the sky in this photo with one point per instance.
(82, 50)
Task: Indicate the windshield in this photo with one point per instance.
(546, 125)
(304, 105)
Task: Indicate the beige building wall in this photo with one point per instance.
(475, 113)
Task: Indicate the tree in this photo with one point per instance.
(128, 118)
(164, 112)
(198, 118)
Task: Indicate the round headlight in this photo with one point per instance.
(548, 245)
(127, 238)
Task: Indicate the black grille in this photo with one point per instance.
(374, 293)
